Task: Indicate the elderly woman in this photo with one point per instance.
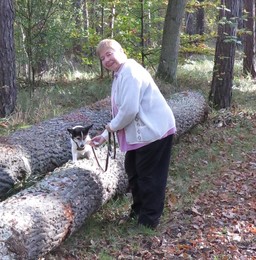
(144, 125)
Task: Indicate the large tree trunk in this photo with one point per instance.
(39, 218)
(249, 60)
(222, 79)
(8, 90)
(31, 153)
(167, 68)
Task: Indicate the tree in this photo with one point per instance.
(194, 18)
(200, 19)
(57, 206)
(32, 27)
(8, 88)
(222, 80)
(249, 61)
(167, 68)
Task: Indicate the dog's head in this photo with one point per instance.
(79, 135)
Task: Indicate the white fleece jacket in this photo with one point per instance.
(142, 110)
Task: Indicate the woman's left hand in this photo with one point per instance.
(108, 128)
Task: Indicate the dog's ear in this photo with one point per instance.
(87, 128)
(70, 130)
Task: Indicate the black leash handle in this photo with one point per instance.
(108, 152)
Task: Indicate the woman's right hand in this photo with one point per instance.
(97, 141)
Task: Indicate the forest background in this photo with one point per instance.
(56, 70)
(56, 42)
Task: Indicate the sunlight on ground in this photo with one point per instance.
(245, 85)
(201, 65)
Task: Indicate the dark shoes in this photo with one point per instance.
(150, 226)
(133, 216)
(146, 224)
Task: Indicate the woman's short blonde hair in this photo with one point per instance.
(108, 43)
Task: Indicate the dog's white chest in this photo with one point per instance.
(82, 150)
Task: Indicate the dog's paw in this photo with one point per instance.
(72, 161)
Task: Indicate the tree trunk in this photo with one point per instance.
(31, 153)
(142, 32)
(167, 68)
(77, 43)
(221, 88)
(241, 25)
(8, 89)
(190, 27)
(194, 21)
(112, 20)
(200, 19)
(86, 21)
(249, 61)
(39, 218)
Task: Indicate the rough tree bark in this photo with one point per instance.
(8, 88)
(39, 218)
(222, 79)
(32, 152)
(167, 69)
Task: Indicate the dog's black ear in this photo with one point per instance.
(87, 128)
(70, 130)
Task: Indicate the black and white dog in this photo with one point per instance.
(79, 142)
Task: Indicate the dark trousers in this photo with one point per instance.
(147, 169)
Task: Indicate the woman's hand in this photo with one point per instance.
(108, 128)
(97, 141)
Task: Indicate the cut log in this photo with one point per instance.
(34, 151)
(190, 109)
(39, 218)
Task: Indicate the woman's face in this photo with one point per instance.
(112, 59)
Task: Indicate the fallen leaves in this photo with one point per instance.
(223, 219)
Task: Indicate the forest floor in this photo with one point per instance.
(210, 210)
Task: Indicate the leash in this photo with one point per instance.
(109, 152)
